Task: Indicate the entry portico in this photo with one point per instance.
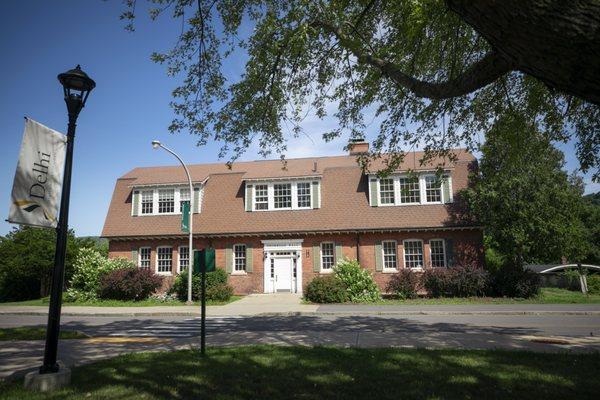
(281, 260)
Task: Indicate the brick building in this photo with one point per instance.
(275, 228)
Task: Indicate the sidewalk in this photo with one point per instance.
(286, 303)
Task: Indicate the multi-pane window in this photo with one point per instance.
(390, 259)
(147, 201)
(145, 257)
(413, 253)
(166, 201)
(184, 197)
(164, 260)
(261, 197)
(438, 252)
(239, 257)
(433, 189)
(327, 256)
(409, 190)
(184, 258)
(386, 191)
(282, 195)
(303, 194)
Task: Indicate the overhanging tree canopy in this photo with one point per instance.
(430, 72)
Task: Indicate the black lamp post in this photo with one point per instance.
(77, 87)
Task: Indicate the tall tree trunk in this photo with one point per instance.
(556, 41)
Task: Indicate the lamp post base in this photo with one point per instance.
(48, 382)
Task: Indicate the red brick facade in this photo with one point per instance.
(467, 247)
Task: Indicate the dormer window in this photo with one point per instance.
(282, 195)
(261, 197)
(290, 195)
(147, 201)
(166, 201)
(400, 189)
(163, 200)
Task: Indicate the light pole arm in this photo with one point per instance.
(191, 222)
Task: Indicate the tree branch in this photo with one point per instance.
(480, 74)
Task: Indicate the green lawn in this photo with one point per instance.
(547, 296)
(34, 333)
(116, 303)
(272, 372)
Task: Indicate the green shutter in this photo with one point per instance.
(449, 252)
(248, 258)
(134, 257)
(378, 255)
(229, 259)
(316, 258)
(315, 194)
(338, 252)
(196, 209)
(135, 200)
(373, 192)
(446, 189)
(248, 197)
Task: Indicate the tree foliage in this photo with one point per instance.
(427, 72)
(27, 260)
(529, 206)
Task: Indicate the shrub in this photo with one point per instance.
(468, 281)
(593, 283)
(437, 282)
(89, 268)
(358, 281)
(213, 279)
(513, 281)
(405, 284)
(459, 281)
(128, 284)
(326, 289)
(220, 292)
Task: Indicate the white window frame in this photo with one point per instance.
(176, 198)
(424, 189)
(141, 205)
(395, 244)
(294, 193)
(170, 272)
(235, 271)
(149, 257)
(179, 270)
(323, 269)
(394, 180)
(421, 178)
(404, 253)
(296, 198)
(399, 190)
(443, 252)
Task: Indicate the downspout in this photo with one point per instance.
(358, 248)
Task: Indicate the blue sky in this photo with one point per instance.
(128, 108)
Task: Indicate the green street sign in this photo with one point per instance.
(204, 260)
(185, 216)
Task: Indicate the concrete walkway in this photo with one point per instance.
(286, 303)
(253, 304)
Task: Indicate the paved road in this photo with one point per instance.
(183, 327)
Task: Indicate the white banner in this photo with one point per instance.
(38, 181)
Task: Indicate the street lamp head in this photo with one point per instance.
(155, 144)
(77, 86)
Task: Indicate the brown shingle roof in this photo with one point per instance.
(344, 204)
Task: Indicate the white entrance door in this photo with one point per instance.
(283, 274)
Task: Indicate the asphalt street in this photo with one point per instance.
(183, 327)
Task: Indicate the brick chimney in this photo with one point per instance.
(358, 146)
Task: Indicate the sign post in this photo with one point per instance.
(204, 261)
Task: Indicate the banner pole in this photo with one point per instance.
(58, 273)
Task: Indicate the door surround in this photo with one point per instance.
(272, 249)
